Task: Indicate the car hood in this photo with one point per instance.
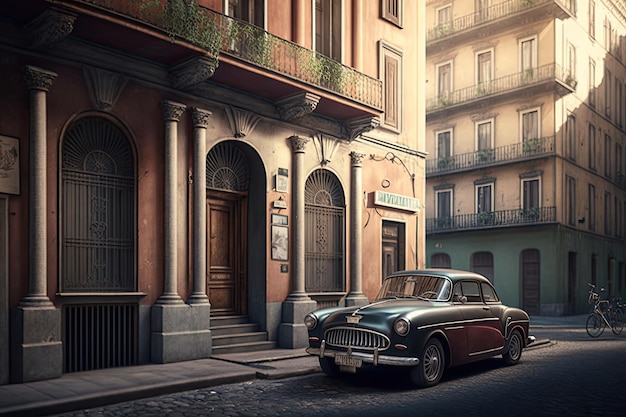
(378, 313)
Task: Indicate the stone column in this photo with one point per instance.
(171, 115)
(38, 352)
(292, 332)
(200, 120)
(180, 331)
(356, 296)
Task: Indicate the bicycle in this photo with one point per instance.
(603, 314)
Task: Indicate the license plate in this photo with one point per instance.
(345, 360)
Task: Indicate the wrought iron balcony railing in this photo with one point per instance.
(490, 14)
(529, 149)
(491, 219)
(217, 33)
(530, 77)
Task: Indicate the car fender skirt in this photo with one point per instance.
(371, 358)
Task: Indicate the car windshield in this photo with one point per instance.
(415, 286)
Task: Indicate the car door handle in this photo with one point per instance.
(486, 308)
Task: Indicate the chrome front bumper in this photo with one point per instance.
(372, 358)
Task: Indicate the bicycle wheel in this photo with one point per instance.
(617, 322)
(595, 325)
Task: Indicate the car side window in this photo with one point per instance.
(489, 294)
(471, 291)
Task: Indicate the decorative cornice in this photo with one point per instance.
(297, 106)
(193, 71)
(172, 110)
(241, 122)
(104, 87)
(48, 28)
(356, 158)
(298, 144)
(200, 117)
(38, 78)
(356, 127)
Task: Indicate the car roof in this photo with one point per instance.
(454, 274)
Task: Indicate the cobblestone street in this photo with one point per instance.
(574, 375)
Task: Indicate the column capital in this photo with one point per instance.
(38, 78)
(298, 144)
(200, 117)
(356, 158)
(172, 110)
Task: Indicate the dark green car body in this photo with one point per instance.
(463, 321)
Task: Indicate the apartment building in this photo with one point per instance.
(180, 178)
(525, 133)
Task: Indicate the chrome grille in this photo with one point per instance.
(356, 338)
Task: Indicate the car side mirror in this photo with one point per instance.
(463, 299)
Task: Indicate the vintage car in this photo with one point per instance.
(423, 320)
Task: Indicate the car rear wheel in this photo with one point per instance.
(514, 352)
(431, 366)
(329, 367)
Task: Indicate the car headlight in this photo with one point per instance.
(310, 321)
(402, 326)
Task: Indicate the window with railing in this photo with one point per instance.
(444, 80)
(484, 199)
(530, 194)
(251, 11)
(328, 28)
(443, 204)
(444, 144)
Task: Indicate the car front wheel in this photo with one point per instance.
(514, 352)
(431, 366)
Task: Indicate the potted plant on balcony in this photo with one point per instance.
(531, 145)
(485, 155)
(445, 162)
(530, 214)
(485, 218)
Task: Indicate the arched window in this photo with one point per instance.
(97, 208)
(440, 260)
(324, 233)
(482, 263)
(227, 168)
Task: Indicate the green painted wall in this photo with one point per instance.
(554, 243)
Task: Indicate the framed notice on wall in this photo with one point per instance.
(9, 165)
(280, 243)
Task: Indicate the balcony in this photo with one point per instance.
(529, 149)
(550, 77)
(501, 16)
(246, 58)
(492, 219)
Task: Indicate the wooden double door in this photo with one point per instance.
(227, 253)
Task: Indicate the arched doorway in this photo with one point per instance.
(236, 195)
